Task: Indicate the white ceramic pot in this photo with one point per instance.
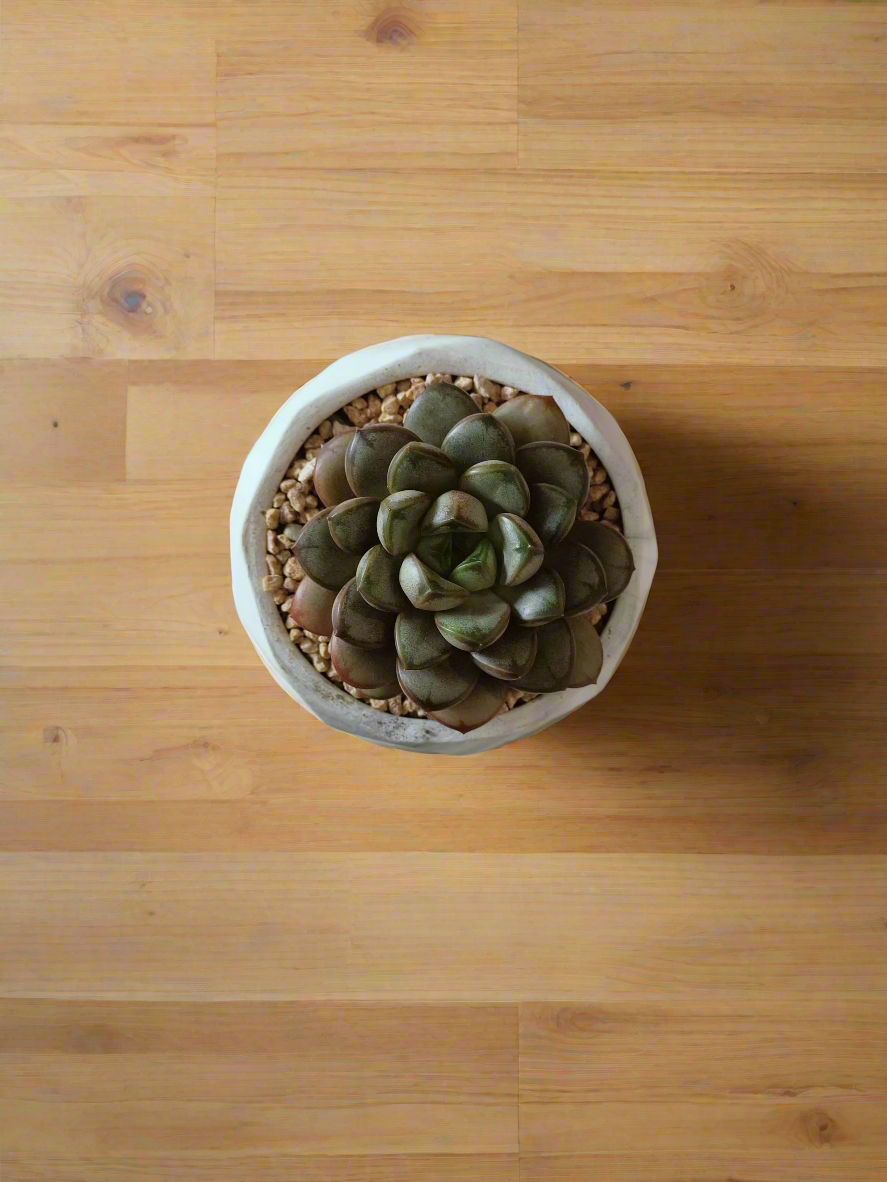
(357, 374)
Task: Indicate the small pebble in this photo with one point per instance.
(380, 704)
(388, 388)
(464, 383)
(509, 392)
(490, 389)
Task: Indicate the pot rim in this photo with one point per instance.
(357, 374)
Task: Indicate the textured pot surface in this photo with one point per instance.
(355, 375)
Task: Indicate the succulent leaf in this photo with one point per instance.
(534, 418)
(555, 463)
(437, 410)
(552, 513)
(418, 642)
(312, 607)
(443, 685)
(378, 581)
(498, 485)
(400, 519)
(511, 656)
(438, 551)
(613, 551)
(589, 658)
(353, 524)
(553, 666)
(476, 623)
(537, 601)
(330, 478)
(518, 549)
(426, 589)
(356, 622)
(321, 558)
(482, 704)
(369, 454)
(455, 512)
(479, 437)
(424, 467)
(477, 572)
(364, 668)
(585, 584)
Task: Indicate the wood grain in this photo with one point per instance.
(645, 946)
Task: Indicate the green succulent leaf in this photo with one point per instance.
(482, 704)
(555, 463)
(455, 512)
(589, 658)
(400, 520)
(476, 623)
(479, 437)
(537, 601)
(378, 580)
(330, 478)
(534, 418)
(443, 685)
(369, 455)
(356, 622)
(518, 549)
(421, 466)
(553, 666)
(437, 410)
(477, 572)
(353, 524)
(426, 589)
(498, 485)
(585, 584)
(312, 607)
(437, 551)
(511, 656)
(364, 668)
(321, 558)
(611, 549)
(552, 512)
(417, 640)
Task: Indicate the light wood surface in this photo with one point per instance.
(649, 945)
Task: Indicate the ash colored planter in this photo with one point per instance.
(355, 375)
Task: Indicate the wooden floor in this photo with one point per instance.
(649, 945)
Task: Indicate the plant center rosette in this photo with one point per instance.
(449, 561)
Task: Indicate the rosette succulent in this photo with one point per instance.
(449, 562)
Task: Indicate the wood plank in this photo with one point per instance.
(107, 277)
(444, 927)
(65, 160)
(766, 1165)
(173, 405)
(281, 1167)
(619, 87)
(60, 421)
(628, 274)
(760, 754)
(101, 63)
(766, 1056)
(411, 87)
(157, 1079)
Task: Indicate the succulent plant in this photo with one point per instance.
(448, 562)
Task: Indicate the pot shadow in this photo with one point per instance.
(754, 685)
